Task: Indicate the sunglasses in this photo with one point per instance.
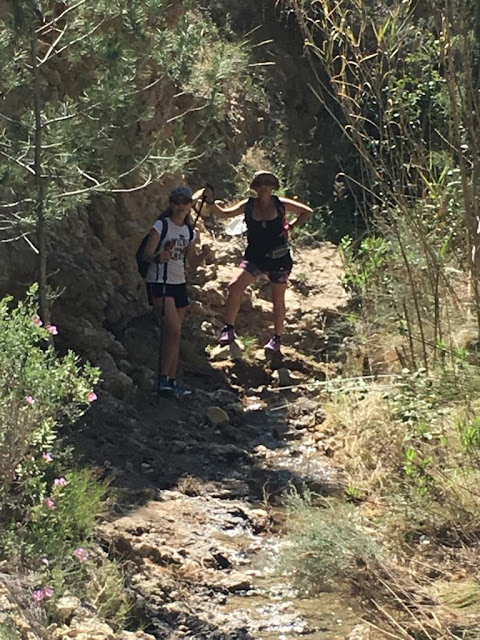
(264, 182)
(181, 200)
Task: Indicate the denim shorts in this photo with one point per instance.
(176, 291)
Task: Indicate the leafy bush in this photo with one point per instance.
(48, 511)
(38, 393)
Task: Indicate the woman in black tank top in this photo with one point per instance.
(267, 249)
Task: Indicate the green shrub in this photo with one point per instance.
(326, 543)
(107, 594)
(48, 511)
(8, 631)
(38, 393)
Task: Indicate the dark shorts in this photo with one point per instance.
(176, 291)
(277, 270)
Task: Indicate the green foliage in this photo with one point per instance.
(86, 574)
(417, 447)
(56, 531)
(48, 510)
(91, 578)
(396, 80)
(38, 393)
(104, 70)
(107, 593)
(364, 271)
(250, 345)
(470, 434)
(326, 543)
(9, 631)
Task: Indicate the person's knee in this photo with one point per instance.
(235, 288)
(172, 332)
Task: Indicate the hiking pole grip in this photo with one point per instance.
(203, 201)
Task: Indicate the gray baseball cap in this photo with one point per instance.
(181, 191)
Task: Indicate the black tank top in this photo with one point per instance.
(264, 235)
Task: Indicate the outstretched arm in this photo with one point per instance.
(303, 211)
(228, 212)
(215, 207)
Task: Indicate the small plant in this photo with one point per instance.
(9, 631)
(250, 345)
(354, 494)
(364, 267)
(326, 543)
(107, 594)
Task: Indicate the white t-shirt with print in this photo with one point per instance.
(175, 271)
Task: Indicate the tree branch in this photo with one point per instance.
(52, 46)
(45, 27)
(24, 166)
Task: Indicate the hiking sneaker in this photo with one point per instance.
(227, 335)
(274, 344)
(180, 389)
(165, 387)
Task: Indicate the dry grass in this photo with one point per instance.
(367, 444)
(430, 530)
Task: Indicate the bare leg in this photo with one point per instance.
(172, 372)
(278, 299)
(167, 317)
(237, 285)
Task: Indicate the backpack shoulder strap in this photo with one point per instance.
(279, 205)
(190, 231)
(283, 215)
(164, 229)
(249, 209)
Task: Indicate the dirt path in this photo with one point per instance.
(200, 555)
(200, 517)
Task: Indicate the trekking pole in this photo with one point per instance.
(209, 186)
(162, 317)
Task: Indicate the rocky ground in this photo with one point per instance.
(201, 482)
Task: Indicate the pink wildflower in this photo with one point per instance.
(47, 457)
(51, 328)
(29, 400)
(45, 561)
(38, 596)
(92, 396)
(60, 482)
(49, 503)
(47, 592)
(81, 554)
(37, 321)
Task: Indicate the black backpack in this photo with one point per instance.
(142, 264)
